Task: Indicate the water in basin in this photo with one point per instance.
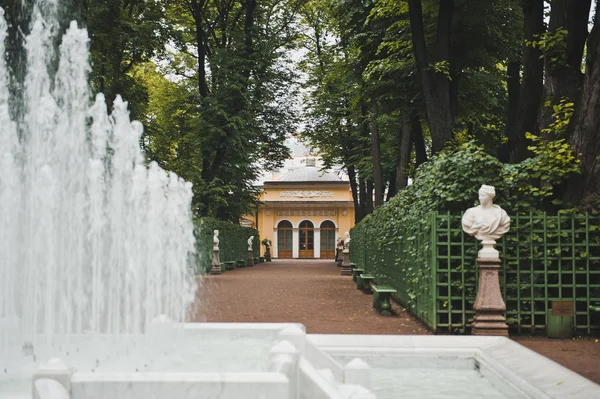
(433, 377)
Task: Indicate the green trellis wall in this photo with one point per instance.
(544, 258)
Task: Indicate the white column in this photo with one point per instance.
(295, 243)
(317, 243)
(274, 246)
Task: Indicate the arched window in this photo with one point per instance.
(306, 239)
(328, 240)
(284, 239)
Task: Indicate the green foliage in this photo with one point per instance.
(553, 45)
(233, 242)
(552, 163)
(442, 67)
(448, 183)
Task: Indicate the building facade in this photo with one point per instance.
(303, 213)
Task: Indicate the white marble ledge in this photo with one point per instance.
(535, 375)
(180, 386)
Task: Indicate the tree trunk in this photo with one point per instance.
(249, 33)
(533, 77)
(200, 47)
(369, 197)
(362, 196)
(358, 215)
(434, 86)
(563, 77)
(584, 189)
(403, 155)
(416, 131)
(513, 86)
(376, 153)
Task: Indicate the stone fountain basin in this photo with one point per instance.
(285, 362)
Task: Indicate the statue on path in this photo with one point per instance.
(216, 239)
(488, 222)
(250, 243)
(216, 258)
(347, 240)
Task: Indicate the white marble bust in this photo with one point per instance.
(347, 240)
(487, 222)
(216, 239)
(250, 243)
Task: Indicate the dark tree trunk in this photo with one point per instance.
(197, 7)
(531, 88)
(434, 86)
(513, 86)
(563, 77)
(358, 215)
(249, 32)
(376, 153)
(369, 197)
(362, 196)
(417, 138)
(403, 155)
(584, 189)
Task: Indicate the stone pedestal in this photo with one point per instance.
(489, 306)
(338, 257)
(216, 262)
(346, 269)
(268, 254)
(250, 258)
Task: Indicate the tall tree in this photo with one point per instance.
(585, 126)
(530, 96)
(435, 78)
(234, 51)
(563, 48)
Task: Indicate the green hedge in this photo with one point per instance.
(415, 243)
(433, 267)
(233, 242)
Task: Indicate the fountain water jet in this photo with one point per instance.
(92, 240)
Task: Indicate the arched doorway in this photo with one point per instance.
(284, 240)
(327, 240)
(306, 240)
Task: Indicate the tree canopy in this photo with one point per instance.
(381, 87)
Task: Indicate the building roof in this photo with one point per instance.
(309, 174)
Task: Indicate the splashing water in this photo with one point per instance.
(91, 239)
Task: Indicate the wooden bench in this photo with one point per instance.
(230, 265)
(357, 272)
(381, 298)
(240, 263)
(352, 266)
(256, 260)
(223, 267)
(595, 308)
(363, 282)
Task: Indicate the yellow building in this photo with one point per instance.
(304, 212)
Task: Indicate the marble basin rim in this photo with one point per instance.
(310, 366)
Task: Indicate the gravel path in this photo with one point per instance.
(313, 292)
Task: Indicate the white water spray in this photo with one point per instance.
(91, 239)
